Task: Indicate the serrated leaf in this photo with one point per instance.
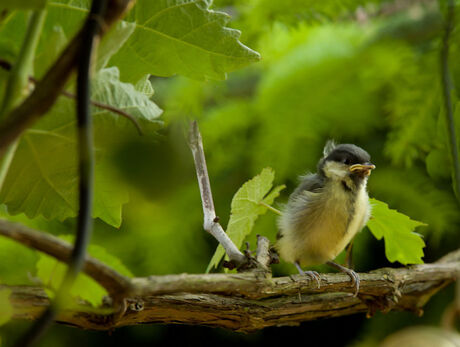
(181, 37)
(42, 179)
(246, 208)
(6, 309)
(402, 244)
(51, 272)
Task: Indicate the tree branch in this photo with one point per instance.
(242, 302)
(248, 302)
(111, 280)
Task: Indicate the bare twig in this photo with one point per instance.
(50, 86)
(211, 223)
(263, 255)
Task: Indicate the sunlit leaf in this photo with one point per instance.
(181, 37)
(246, 208)
(402, 244)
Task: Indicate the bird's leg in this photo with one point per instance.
(349, 255)
(353, 275)
(313, 275)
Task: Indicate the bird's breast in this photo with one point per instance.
(325, 225)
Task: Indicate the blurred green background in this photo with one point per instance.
(363, 72)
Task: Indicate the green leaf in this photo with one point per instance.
(6, 309)
(113, 41)
(51, 272)
(23, 4)
(42, 179)
(181, 37)
(402, 244)
(246, 208)
(14, 269)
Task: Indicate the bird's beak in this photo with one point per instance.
(364, 169)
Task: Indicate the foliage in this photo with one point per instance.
(357, 71)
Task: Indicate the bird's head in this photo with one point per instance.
(344, 161)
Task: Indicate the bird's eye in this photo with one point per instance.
(346, 161)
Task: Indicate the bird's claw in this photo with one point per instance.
(314, 276)
(354, 280)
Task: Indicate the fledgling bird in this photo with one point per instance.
(326, 210)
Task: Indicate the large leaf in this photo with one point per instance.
(51, 272)
(246, 208)
(23, 4)
(181, 37)
(402, 244)
(42, 179)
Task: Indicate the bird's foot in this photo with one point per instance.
(312, 275)
(353, 275)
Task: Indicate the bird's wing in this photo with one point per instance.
(310, 183)
(304, 203)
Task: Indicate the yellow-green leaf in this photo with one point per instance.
(246, 208)
(402, 244)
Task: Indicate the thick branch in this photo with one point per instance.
(248, 302)
(211, 222)
(242, 302)
(50, 86)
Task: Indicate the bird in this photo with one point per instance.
(326, 210)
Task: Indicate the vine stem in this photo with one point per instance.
(86, 175)
(19, 75)
(18, 80)
(447, 89)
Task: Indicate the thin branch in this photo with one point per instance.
(447, 89)
(50, 86)
(7, 66)
(211, 223)
(111, 280)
